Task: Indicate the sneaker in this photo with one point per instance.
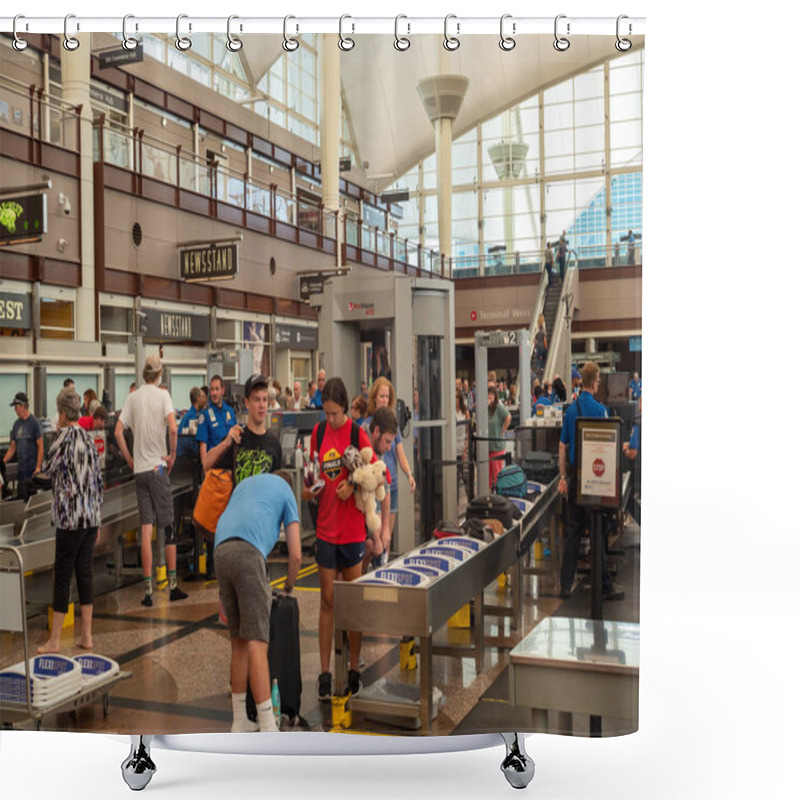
(177, 594)
(354, 682)
(324, 686)
(384, 558)
(148, 600)
(615, 593)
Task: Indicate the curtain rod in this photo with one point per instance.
(350, 25)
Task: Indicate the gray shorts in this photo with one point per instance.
(154, 498)
(244, 590)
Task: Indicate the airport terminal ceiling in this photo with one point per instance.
(388, 122)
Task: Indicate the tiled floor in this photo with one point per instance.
(179, 657)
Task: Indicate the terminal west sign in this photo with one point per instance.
(210, 263)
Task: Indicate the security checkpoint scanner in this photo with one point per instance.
(401, 328)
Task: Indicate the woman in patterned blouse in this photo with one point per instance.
(74, 466)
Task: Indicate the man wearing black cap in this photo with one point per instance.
(26, 443)
(256, 451)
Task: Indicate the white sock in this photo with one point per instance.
(240, 722)
(266, 717)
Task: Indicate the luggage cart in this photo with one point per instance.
(13, 619)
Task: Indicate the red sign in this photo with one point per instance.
(598, 467)
(473, 315)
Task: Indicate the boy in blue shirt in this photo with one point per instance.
(246, 533)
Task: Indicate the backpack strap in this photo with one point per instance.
(320, 433)
(355, 434)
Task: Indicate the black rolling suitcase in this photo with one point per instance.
(494, 506)
(540, 467)
(284, 656)
(284, 652)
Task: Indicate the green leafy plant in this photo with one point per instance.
(9, 211)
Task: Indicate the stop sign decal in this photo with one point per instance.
(598, 467)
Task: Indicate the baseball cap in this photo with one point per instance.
(20, 398)
(255, 382)
(152, 365)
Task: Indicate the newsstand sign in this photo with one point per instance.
(212, 263)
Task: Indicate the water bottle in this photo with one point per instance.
(276, 702)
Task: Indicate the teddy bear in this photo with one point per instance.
(369, 480)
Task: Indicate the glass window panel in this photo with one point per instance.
(625, 106)
(558, 144)
(113, 318)
(57, 314)
(588, 112)
(153, 46)
(278, 116)
(589, 84)
(561, 93)
(201, 45)
(589, 139)
(558, 117)
(200, 72)
(529, 121)
(431, 213)
(627, 79)
(626, 134)
(492, 129)
(178, 61)
(465, 205)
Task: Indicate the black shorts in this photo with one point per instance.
(339, 556)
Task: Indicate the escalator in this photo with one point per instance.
(552, 298)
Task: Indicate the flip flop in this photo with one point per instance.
(84, 647)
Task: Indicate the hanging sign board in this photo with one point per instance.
(212, 263)
(116, 58)
(23, 219)
(172, 326)
(312, 284)
(295, 336)
(15, 311)
(598, 462)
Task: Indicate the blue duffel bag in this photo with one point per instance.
(512, 482)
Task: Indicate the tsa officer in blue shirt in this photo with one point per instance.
(540, 398)
(214, 424)
(635, 387)
(316, 398)
(578, 518)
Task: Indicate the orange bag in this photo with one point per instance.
(212, 500)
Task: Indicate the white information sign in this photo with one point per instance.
(599, 453)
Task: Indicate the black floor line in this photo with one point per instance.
(175, 709)
(145, 620)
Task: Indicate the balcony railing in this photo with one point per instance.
(144, 155)
(29, 110)
(618, 254)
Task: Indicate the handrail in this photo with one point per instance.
(558, 324)
(537, 310)
(531, 261)
(26, 89)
